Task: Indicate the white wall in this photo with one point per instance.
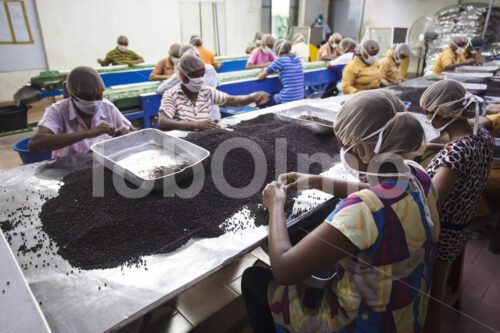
(243, 20)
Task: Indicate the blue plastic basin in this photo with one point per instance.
(22, 148)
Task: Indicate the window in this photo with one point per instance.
(14, 26)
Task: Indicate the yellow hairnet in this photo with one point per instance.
(189, 64)
(444, 97)
(370, 111)
(83, 81)
(348, 44)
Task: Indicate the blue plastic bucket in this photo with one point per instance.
(22, 148)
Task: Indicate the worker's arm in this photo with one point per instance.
(158, 77)
(348, 78)
(258, 97)
(444, 180)
(167, 124)
(295, 181)
(314, 23)
(45, 140)
(451, 67)
(135, 62)
(321, 248)
(262, 75)
(252, 66)
(218, 65)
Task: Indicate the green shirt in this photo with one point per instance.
(115, 57)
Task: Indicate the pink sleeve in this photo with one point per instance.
(253, 58)
(52, 119)
(118, 117)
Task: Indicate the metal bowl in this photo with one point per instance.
(468, 77)
(477, 69)
(294, 114)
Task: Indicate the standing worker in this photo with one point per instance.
(450, 58)
(319, 23)
(121, 55)
(362, 73)
(300, 48)
(390, 66)
(330, 50)
(206, 55)
(165, 68)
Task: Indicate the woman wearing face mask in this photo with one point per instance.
(188, 105)
(362, 73)
(257, 42)
(330, 50)
(262, 56)
(459, 172)
(450, 59)
(74, 124)
(165, 67)
(381, 239)
(390, 65)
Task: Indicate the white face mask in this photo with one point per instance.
(334, 45)
(459, 50)
(370, 60)
(87, 107)
(173, 60)
(266, 50)
(397, 59)
(258, 42)
(194, 84)
(122, 48)
(473, 51)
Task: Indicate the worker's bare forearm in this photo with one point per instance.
(170, 124)
(158, 77)
(44, 142)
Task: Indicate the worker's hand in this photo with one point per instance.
(130, 63)
(274, 196)
(385, 84)
(103, 128)
(121, 131)
(220, 64)
(295, 181)
(472, 62)
(205, 125)
(261, 97)
(100, 61)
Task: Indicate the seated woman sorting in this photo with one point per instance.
(187, 105)
(362, 73)
(74, 124)
(382, 238)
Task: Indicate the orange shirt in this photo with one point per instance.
(207, 56)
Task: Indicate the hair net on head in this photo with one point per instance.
(476, 42)
(458, 40)
(449, 99)
(175, 50)
(122, 39)
(83, 81)
(337, 36)
(258, 35)
(298, 38)
(189, 49)
(368, 112)
(269, 39)
(348, 44)
(189, 64)
(195, 40)
(367, 46)
(282, 46)
(402, 49)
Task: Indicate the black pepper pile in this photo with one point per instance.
(103, 232)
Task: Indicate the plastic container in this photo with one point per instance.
(22, 148)
(13, 117)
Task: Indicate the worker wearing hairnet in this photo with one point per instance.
(211, 78)
(262, 56)
(473, 50)
(362, 73)
(300, 48)
(450, 58)
(391, 226)
(206, 55)
(165, 67)
(188, 105)
(121, 55)
(330, 50)
(459, 172)
(257, 41)
(74, 124)
(348, 49)
(390, 65)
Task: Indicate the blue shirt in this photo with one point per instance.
(291, 76)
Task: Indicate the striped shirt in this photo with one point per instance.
(115, 57)
(176, 105)
(291, 76)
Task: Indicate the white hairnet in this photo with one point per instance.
(122, 39)
(269, 39)
(189, 49)
(83, 81)
(195, 40)
(189, 64)
(348, 44)
(402, 49)
(298, 38)
(369, 112)
(459, 40)
(367, 46)
(282, 46)
(337, 36)
(175, 50)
